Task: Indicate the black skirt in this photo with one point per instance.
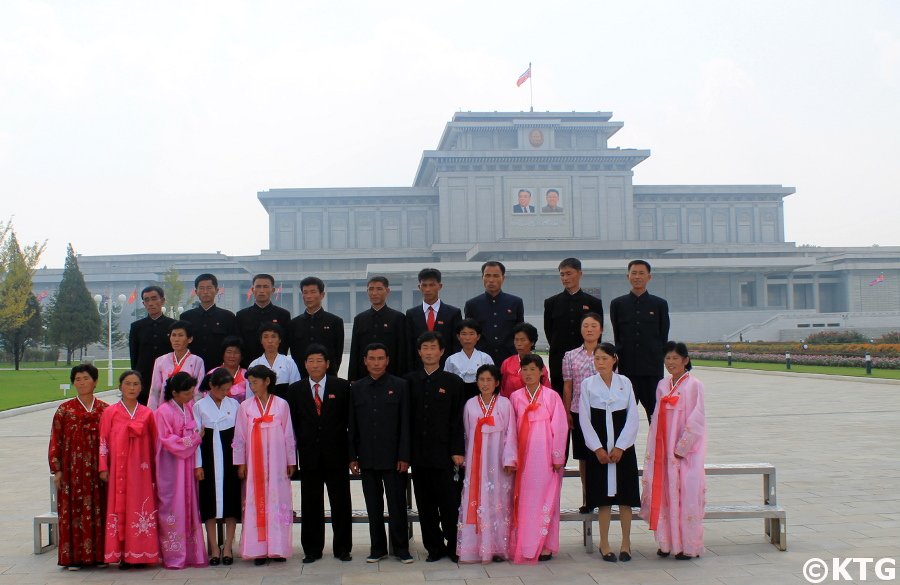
(579, 449)
(231, 484)
(627, 483)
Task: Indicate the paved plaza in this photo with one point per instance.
(833, 440)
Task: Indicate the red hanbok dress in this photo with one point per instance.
(127, 449)
(81, 496)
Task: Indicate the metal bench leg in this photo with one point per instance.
(588, 536)
(38, 538)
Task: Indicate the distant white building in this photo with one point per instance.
(530, 189)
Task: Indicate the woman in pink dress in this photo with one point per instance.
(127, 446)
(490, 425)
(177, 440)
(674, 482)
(542, 429)
(232, 352)
(266, 456)
(525, 336)
(180, 359)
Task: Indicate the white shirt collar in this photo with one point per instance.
(321, 383)
(436, 305)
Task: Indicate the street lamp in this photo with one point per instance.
(173, 312)
(107, 308)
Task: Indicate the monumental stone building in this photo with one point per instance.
(530, 189)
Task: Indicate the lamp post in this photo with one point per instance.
(728, 348)
(173, 312)
(107, 308)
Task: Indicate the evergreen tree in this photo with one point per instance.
(73, 321)
(174, 288)
(20, 319)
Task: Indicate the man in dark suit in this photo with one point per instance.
(379, 324)
(562, 317)
(640, 323)
(436, 403)
(497, 312)
(433, 315)
(524, 205)
(148, 338)
(316, 326)
(320, 410)
(380, 450)
(211, 324)
(248, 320)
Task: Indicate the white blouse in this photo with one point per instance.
(467, 367)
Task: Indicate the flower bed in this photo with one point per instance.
(853, 361)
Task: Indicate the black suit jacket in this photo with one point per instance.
(209, 330)
(641, 327)
(323, 328)
(445, 322)
(379, 422)
(387, 326)
(497, 316)
(147, 340)
(521, 208)
(562, 327)
(322, 441)
(247, 322)
(436, 404)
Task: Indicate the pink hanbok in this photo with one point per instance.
(264, 441)
(180, 533)
(542, 429)
(511, 377)
(674, 490)
(485, 513)
(127, 445)
(167, 366)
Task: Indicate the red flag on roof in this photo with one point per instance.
(524, 77)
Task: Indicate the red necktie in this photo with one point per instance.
(317, 400)
(431, 318)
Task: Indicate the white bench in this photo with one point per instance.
(51, 519)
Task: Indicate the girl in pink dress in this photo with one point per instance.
(542, 429)
(525, 336)
(490, 425)
(266, 456)
(674, 482)
(232, 352)
(177, 440)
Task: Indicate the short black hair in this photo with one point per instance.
(494, 371)
(261, 372)
(379, 278)
(313, 281)
(639, 262)
(186, 325)
(469, 323)
(206, 276)
(591, 315)
(552, 191)
(375, 347)
(430, 336)
(529, 330)
(429, 274)
(153, 288)
(180, 382)
(269, 326)
(573, 263)
(610, 350)
(218, 377)
(127, 373)
(89, 369)
(316, 349)
(233, 341)
(680, 348)
(268, 277)
(494, 263)
(531, 358)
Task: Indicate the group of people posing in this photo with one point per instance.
(214, 426)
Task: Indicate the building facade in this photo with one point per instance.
(529, 189)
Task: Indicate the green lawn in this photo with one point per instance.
(33, 385)
(801, 369)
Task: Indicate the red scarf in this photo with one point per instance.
(259, 472)
(524, 431)
(660, 455)
(487, 418)
(178, 364)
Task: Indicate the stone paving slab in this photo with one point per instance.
(833, 441)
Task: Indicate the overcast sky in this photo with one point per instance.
(130, 127)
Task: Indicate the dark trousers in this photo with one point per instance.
(437, 499)
(312, 510)
(645, 392)
(389, 483)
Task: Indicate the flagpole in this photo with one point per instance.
(530, 85)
